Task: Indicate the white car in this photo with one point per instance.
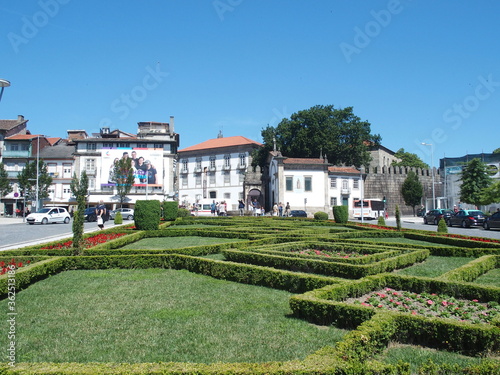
(127, 213)
(49, 215)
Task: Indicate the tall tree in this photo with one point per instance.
(124, 176)
(28, 180)
(412, 191)
(475, 178)
(321, 130)
(491, 194)
(496, 151)
(79, 187)
(5, 186)
(409, 160)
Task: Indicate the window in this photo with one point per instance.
(289, 183)
(333, 201)
(198, 163)
(227, 177)
(184, 179)
(14, 147)
(243, 160)
(25, 147)
(227, 195)
(142, 145)
(333, 183)
(185, 165)
(158, 145)
(212, 162)
(241, 175)
(91, 183)
(308, 183)
(355, 183)
(122, 145)
(212, 194)
(211, 178)
(67, 191)
(107, 145)
(197, 179)
(91, 146)
(227, 161)
(90, 165)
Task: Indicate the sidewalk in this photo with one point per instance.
(10, 220)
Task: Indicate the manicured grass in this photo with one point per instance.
(400, 240)
(158, 315)
(491, 278)
(418, 356)
(177, 242)
(434, 266)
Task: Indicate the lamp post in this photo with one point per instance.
(361, 170)
(432, 173)
(3, 84)
(37, 171)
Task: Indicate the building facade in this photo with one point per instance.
(215, 170)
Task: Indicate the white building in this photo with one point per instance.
(311, 184)
(215, 170)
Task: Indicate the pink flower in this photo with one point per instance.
(444, 303)
(430, 302)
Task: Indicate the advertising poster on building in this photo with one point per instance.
(147, 164)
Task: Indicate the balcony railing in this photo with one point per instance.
(184, 170)
(226, 167)
(345, 191)
(16, 154)
(90, 172)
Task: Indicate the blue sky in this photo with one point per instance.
(418, 71)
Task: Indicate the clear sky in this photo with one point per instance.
(418, 71)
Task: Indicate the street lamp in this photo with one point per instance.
(432, 173)
(3, 84)
(361, 170)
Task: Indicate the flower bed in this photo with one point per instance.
(12, 265)
(470, 238)
(331, 254)
(430, 305)
(87, 242)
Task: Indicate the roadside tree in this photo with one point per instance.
(28, 181)
(475, 178)
(5, 186)
(412, 191)
(124, 176)
(79, 188)
(409, 160)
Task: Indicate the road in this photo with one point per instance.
(15, 234)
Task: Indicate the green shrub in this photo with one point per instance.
(442, 227)
(170, 210)
(321, 215)
(341, 214)
(398, 218)
(381, 220)
(147, 214)
(183, 212)
(118, 218)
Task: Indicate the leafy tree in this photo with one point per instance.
(5, 186)
(442, 227)
(409, 160)
(336, 133)
(79, 187)
(27, 180)
(124, 176)
(398, 218)
(496, 151)
(475, 178)
(412, 190)
(491, 194)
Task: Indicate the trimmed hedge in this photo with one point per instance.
(340, 214)
(147, 214)
(170, 210)
(472, 270)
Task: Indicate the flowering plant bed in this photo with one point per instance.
(331, 254)
(430, 305)
(470, 238)
(87, 242)
(6, 266)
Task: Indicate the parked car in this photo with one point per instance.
(433, 216)
(466, 218)
(127, 213)
(492, 222)
(90, 214)
(49, 215)
(298, 213)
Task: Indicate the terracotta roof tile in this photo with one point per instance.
(53, 140)
(343, 170)
(221, 142)
(303, 161)
(23, 137)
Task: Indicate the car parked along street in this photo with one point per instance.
(433, 216)
(48, 215)
(466, 218)
(492, 222)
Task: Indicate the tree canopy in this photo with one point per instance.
(496, 151)
(27, 180)
(412, 190)
(124, 177)
(5, 186)
(79, 188)
(475, 178)
(337, 134)
(409, 160)
(491, 194)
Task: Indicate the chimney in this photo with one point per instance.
(20, 118)
(171, 125)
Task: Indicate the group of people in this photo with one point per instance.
(218, 209)
(144, 170)
(281, 210)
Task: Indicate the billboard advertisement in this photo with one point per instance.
(147, 164)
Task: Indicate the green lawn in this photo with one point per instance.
(177, 242)
(434, 266)
(158, 315)
(491, 278)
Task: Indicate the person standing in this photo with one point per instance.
(241, 207)
(287, 209)
(101, 215)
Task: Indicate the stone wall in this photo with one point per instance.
(387, 182)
